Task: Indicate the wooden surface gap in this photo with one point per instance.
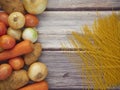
(62, 49)
(84, 9)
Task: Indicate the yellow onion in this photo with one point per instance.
(35, 6)
(37, 71)
(14, 33)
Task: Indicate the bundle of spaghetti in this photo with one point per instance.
(101, 57)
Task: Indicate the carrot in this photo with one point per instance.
(43, 85)
(21, 48)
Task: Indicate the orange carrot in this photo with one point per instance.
(21, 48)
(43, 85)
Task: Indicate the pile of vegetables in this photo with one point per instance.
(19, 47)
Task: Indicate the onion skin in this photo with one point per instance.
(35, 6)
(37, 71)
(16, 20)
(14, 33)
(31, 20)
(30, 34)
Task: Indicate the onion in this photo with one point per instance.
(16, 20)
(37, 71)
(14, 33)
(30, 34)
(35, 6)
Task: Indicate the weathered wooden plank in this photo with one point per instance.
(54, 27)
(62, 73)
(80, 5)
(83, 4)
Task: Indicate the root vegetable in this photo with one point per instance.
(35, 6)
(7, 42)
(30, 34)
(17, 63)
(4, 18)
(10, 6)
(14, 33)
(3, 28)
(17, 80)
(5, 71)
(43, 85)
(16, 20)
(37, 71)
(21, 48)
(31, 20)
(1, 49)
(34, 55)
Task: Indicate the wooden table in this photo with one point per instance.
(56, 23)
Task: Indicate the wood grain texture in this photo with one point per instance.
(83, 5)
(62, 73)
(53, 30)
(56, 24)
(54, 27)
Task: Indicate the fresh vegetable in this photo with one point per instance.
(18, 47)
(14, 33)
(21, 48)
(3, 28)
(30, 34)
(34, 55)
(37, 71)
(4, 18)
(31, 20)
(10, 6)
(35, 6)
(7, 42)
(17, 63)
(5, 71)
(43, 85)
(1, 49)
(16, 20)
(17, 80)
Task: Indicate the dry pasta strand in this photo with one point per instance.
(101, 57)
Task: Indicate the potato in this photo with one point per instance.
(15, 81)
(10, 6)
(33, 56)
(1, 49)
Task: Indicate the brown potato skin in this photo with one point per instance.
(10, 6)
(15, 81)
(33, 56)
